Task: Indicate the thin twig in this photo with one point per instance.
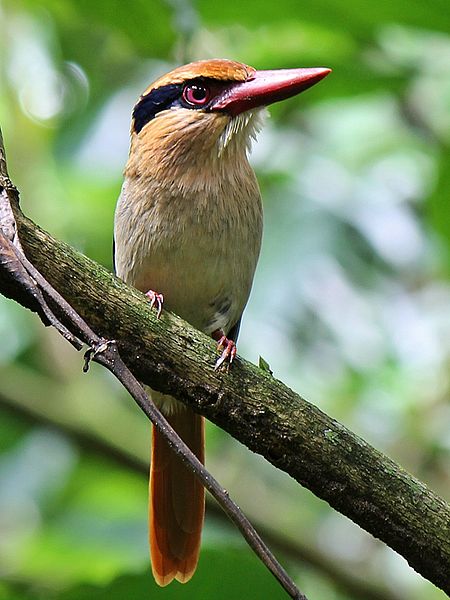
(21, 269)
(105, 353)
(109, 357)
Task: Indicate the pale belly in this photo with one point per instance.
(202, 288)
(204, 272)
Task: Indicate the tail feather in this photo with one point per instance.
(177, 502)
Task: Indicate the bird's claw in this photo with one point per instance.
(156, 301)
(228, 348)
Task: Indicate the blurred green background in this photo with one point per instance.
(350, 304)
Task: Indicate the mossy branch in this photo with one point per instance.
(255, 408)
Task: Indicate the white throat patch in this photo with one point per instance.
(242, 130)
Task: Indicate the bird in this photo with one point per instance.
(187, 232)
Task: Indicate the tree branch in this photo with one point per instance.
(255, 408)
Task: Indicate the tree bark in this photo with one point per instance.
(255, 408)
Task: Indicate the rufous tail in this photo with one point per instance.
(176, 503)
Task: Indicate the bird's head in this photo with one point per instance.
(205, 112)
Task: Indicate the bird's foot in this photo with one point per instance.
(156, 301)
(226, 347)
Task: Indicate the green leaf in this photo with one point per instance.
(264, 365)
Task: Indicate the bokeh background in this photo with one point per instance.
(350, 304)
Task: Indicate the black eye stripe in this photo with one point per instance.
(151, 104)
(171, 95)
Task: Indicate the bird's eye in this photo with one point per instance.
(196, 94)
